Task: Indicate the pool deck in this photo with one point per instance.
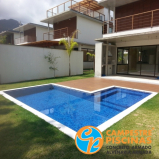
(91, 84)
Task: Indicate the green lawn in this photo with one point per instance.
(24, 135)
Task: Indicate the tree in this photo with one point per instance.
(91, 55)
(3, 39)
(53, 61)
(69, 44)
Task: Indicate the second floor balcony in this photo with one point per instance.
(87, 7)
(25, 39)
(57, 34)
(136, 21)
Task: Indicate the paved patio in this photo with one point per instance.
(91, 84)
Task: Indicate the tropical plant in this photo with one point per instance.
(69, 44)
(53, 61)
(91, 55)
(3, 39)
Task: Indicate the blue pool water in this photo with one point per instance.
(76, 109)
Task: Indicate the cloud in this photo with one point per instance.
(27, 11)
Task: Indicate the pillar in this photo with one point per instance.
(98, 59)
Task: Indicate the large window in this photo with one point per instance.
(143, 60)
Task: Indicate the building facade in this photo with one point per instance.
(130, 43)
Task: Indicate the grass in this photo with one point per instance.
(24, 135)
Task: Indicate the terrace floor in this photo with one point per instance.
(91, 84)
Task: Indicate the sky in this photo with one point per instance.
(27, 11)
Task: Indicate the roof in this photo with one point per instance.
(28, 26)
(90, 4)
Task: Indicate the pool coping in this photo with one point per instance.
(68, 131)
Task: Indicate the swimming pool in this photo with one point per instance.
(74, 109)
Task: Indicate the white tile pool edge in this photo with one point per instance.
(68, 131)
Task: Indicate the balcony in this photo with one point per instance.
(24, 39)
(136, 21)
(86, 7)
(57, 34)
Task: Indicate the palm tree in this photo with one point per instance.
(69, 44)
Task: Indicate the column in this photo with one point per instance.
(98, 59)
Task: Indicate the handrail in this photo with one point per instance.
(25, 39)
(56, 33)
(70, 5)
(116, 25)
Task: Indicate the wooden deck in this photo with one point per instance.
(91, 84)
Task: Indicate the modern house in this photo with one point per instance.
(11, 35)
(133, 46)
(86, 16)
(31, 33)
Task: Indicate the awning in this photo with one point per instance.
(90, 4)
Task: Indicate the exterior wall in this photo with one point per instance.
(30, 35)
(40, 31)
(20, 63)
(70, 23)
(89, 30)
(136, 7)
(105, 12)
(139, 21)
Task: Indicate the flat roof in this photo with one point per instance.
(131, 35)
(67, 15)
(115, 3)
(28, 26)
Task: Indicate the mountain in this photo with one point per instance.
(8, 24)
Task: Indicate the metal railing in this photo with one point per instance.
(71, 4)
(140, 20)
(56, 34)
(25, 39)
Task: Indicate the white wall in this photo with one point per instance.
(40, 31)
(17, 35)
(89, 30)
(21, 63)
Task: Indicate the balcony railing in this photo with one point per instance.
(141, 20)
(57, 34)
(71, 4)
(25, 39)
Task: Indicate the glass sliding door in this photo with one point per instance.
(135, 60)
(157, 63)
(141, 60)
(148, 60)
(122, 61)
